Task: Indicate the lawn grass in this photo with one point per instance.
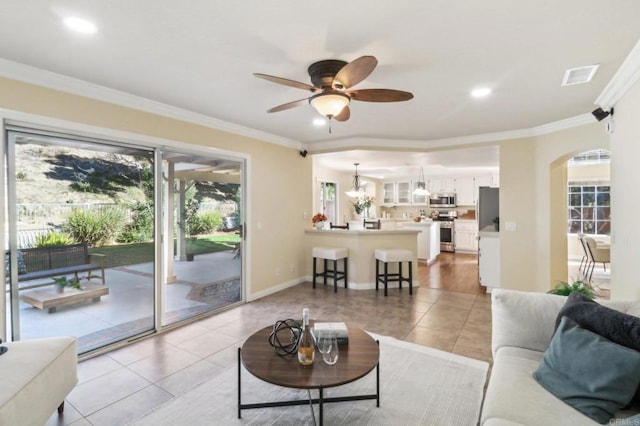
(131, 254)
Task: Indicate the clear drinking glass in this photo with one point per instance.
(328, 347)
(324, 342)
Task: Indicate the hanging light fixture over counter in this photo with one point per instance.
(422, 186)
(356, 190)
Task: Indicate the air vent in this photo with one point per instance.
(579, 75)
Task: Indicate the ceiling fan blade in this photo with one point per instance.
(287, 82)
(344, 114)
(380, 95)
(354, 72)
(289, 105)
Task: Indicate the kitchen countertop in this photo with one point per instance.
(489, 231)
(424, 222)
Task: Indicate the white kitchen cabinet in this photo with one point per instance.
(466, 233)
(481, 181)
(389, 193)
(404, 192)
(489, 259)
(439, 185)
(484, 180)
(495, 180)
(400, 193)
(466, 191)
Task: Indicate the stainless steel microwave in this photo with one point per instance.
(442, 200)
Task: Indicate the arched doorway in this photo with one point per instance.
(589, 217)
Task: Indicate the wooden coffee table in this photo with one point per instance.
(355, 360)
(50, 299)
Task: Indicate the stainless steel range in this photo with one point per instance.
(447, 229)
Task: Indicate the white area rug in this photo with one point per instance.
(418, 385)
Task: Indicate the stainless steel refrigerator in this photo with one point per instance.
(488, 206)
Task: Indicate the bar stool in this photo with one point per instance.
(387, 256)
(333, 254)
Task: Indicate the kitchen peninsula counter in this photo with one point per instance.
(362, 244)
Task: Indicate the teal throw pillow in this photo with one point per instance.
(590, 373)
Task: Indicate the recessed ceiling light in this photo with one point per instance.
(481, 92)
(80, 25)
(319, 121)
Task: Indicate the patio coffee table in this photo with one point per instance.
(50, 299)
(355, 360)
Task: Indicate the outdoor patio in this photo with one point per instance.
(209, 282)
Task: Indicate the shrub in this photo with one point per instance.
(95, 227)
(54, 238)
(205, 223)
(140, 229)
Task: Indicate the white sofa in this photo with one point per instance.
(523, 325)
(35, 378)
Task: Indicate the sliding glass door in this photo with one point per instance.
(107, 241)
(202, 203)
(80, 214)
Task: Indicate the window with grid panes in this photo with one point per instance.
(589, 210)
(328, 204)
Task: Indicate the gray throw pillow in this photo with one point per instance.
(590, 373)
(621, 328)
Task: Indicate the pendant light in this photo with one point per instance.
(356, 190)
(422, 186)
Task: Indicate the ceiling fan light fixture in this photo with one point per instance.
(329, 104)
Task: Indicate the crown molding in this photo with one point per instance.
(623, 79)
(363, 142)
(567, 123)
(55, 81)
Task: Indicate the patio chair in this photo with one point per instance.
(597, 255)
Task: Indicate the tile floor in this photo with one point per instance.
(123, 385)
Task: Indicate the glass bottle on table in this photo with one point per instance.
(306, 347)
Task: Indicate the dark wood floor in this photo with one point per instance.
(452, 272)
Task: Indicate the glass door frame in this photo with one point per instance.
(30, 121)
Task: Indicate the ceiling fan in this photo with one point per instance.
(331, 81)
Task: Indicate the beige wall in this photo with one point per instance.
(517, 202)
(625, 202)
(279, 176)
(533, 196)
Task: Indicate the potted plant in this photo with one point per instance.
(579, 286)
(496, 223)
(62, 282)
(362, 204)
(318, 220)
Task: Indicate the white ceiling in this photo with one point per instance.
(200, 56)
